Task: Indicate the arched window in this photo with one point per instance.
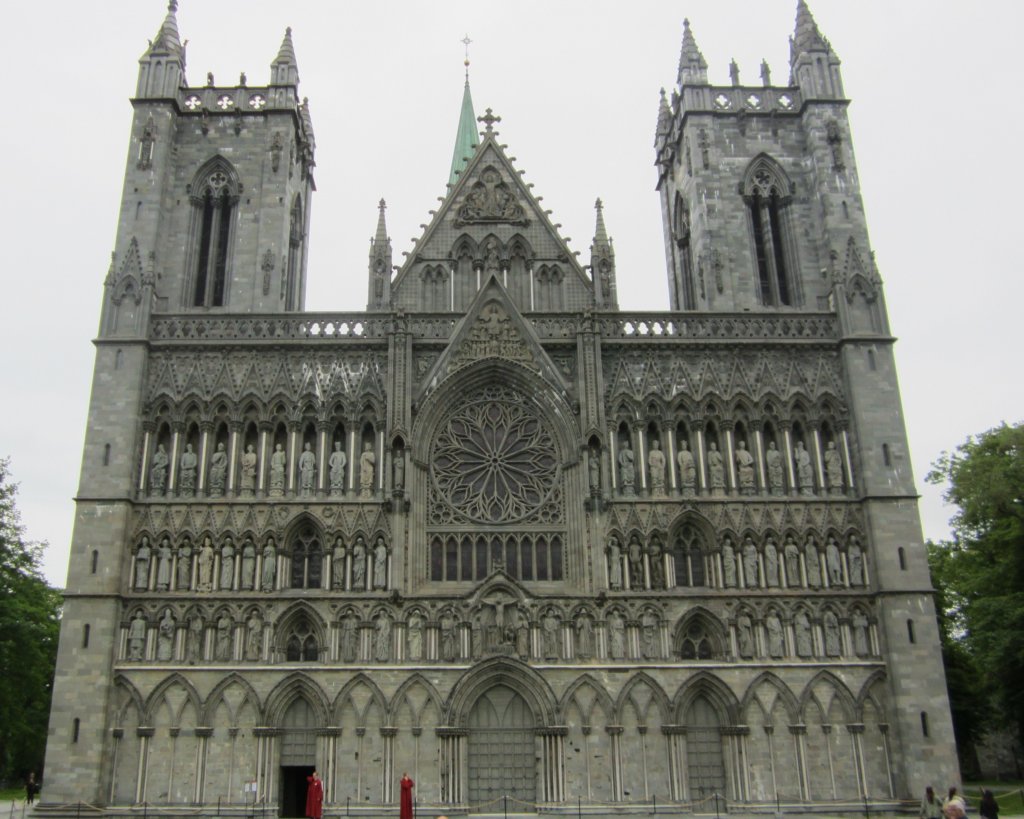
(307, 560)
(697, 640)
(301, 646)
(295, 242)
(214, 196)
(688, 555)
(767, 194)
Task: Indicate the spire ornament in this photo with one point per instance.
(488, 119)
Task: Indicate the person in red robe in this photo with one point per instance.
(406, 804)
(314, 796)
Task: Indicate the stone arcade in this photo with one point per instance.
(494, 531)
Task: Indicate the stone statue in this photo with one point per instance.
(776, 642)
(227, 566)
(382, 638)
(855, 557)
(196, 633)
(716, 469)
(550, 627)
(349, 639)
(614, 552)
(744, 468)
(584, 637)
(656, 467)
(833, 469)
(158, 471)
(616, 636)
(414, 636)
(136, 637)
(751, 569)
(812, 563)
(380, 564)
(359, 565)
(832, 641)
(728, 563)
(269, 568)
(398, 468)
(745, 637)
(635, 553)
(522, 636)
(449, 648)
(223, 649)
(187, 472)
(627, 472)
(773, 461)
(184, 581)
(649, 635)
(336, 464)
(656, 562)
(594, 468)
(218, 471)
(248, 482)
(163, 566)
(367, 462)
(307, 470)
(834, 563)
(338, 564)
(248, 564)
(687, 468)
(792, 554)
(254, 637)
(860, 635)
(804, 479)
(142, 557)
(165, 637)
(277, 469)
(802, 630)
(771, 563)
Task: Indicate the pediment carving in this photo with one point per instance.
(490, 200)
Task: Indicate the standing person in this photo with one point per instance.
(988, 808)
(31, 788)
(314, 796)
(407, 784)
(931, 805)
(955, 807)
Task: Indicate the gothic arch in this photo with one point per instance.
(204, 178)
(868, 693)
(132, 699)
(292, 687)
(789, 700)
(658, 698)
(156, 698)
(842, 693)
(764, 176)
(216, 696)
(602, 699)
(376, 697)
(710, 627)
(518, 676)
(296, 614)
(704, 684)
(415, 682)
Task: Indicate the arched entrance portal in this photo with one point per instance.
(705, 767)
(502, 748)
(298, 756)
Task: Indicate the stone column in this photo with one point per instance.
(553, 740)
(353, 455)
(759, 457)
(144, 733)
(147, 434)
(323, 452)
(702, 475)
(819, 463)
(730, 459)
(790, 470)
(799, 733)
(615, 731)
(294, 446)
(669, 434)
(640, 448)
(203, 735)
(233, 441)
(263, 457)
(827, 731)
(204, 452)
(847, 462)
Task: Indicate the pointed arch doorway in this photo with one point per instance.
(298, 756)
(502, 748)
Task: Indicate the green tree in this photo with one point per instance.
(981, 571)
(29, 627)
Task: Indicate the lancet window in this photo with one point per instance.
(767, 194)
(214, 197)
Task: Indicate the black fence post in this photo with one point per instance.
(717, 816)
(347, 800)
(505, 801)
(654, 798)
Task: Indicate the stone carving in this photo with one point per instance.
(227, 566)
(380, 564)
(792, 553)
(773, 460)
(398, 468)
(187, 472)
(336, 463)
(834, 469)
(855, 557)
(145, 161)
(276, 149)
(254, 637)
(136, 637)
(492, 264)
(834, 563)
(307, 470)
(277, 468)
(744, 637)
(248, 482)
(218, 471)
(744, 468)
(616, 636)
(635, 554)
(414, 636)
(492, 335)
(656, 562)
(367, 464)
(490, 199)
(771, 563)
(584, 637)
(184, 580)
(522, 636)
(269, 566)
(804, 480)
(687, 468)
(860, 635)
(594, 469)
(649, 635)
(163, 566)
(614, 551)
(832, 640)
(550, 637)
(349, 639)
(751, 569)
(142, 558)
(158, 471)
(222, 651)
(728, 563)
(776, 642)
(627, 471)
(812, 563)
(449, 645)
(382, 637)
(359, 564)
(196, 635)
(338, 565)
(716, 469)
(802, 630)
(248, 578)
(656, 467)
(165, 637)
(267, 266)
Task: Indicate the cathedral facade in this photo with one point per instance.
(494, 532)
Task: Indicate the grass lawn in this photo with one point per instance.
(6, 794)
(1007, 794)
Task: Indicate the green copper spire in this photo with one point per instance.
(466, 136)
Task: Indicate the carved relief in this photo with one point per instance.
(490, 199)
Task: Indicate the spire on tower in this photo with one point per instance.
(807, 37)
(167, 40)
(466, 135)
(693, 68)
(162, 67)
(602, 264)
(380, 264)
(813, 65)
(284, 70)
(664, 115)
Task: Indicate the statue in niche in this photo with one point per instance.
(248, 482)
(584, 637)
(254, 637)
(158, 471)
(380, 564)
(196, 633)
(142, 557)
(656, 466)
(367, 463)
(744, 468)
(616, 636)
(414, 636)
(382, 637)
(802, 630)
(218, 471)
(307, 470)
(594, 468)
(163, 565)
(745, 637)
(614, 552)
(776, 642)
(184, 581)
(627, 472)
(833, 562)
(336, 464)
(750, 564)
(269, 566)
(206, 565)
(716, 469)
(773, 460)
(223, 649)
(359, 565)
(855, 557)
(833, 469)
(398, 468)
(804, 479)
(522, 636)
(476, 637)
(349, 639)
(812, 562)
(277, 468)
(188, 465)
(656, 562)
(860, 635)
(550, 627)
(137, 637)
(687, 468)
(728, 563)
(227, 565)
(449, 648)
(248, 564)
(635, 553)
(492, 264)
(649, 635)
(771, 563)
(792, 554)
(338, 564)
(165, 637)
(832, 642)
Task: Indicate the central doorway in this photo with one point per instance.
(293, 790)
(502, 748)
(298, 757)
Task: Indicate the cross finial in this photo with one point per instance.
(465, 42)
(488, 119)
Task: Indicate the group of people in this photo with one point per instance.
(955, 806)
(315, 797)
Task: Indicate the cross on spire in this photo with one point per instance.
(488, 119)
(466, 41)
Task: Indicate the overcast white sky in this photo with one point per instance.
(936, 119)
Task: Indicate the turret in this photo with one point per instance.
(380, 265)
(813, 65)
(693, 68)
(162, 67)
(602, 264)
(284, 72)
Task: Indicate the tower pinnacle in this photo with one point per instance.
(284, 70)
(602, 263)
(807, 48)
(380, 264)
(693, 68)
(162, 67)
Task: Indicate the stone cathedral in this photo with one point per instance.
(534, 550)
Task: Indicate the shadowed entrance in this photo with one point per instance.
(502, 748)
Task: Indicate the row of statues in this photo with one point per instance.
(196, 628)
(774, 642)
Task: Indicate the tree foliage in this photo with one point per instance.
(29, 627)
(981, 571)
